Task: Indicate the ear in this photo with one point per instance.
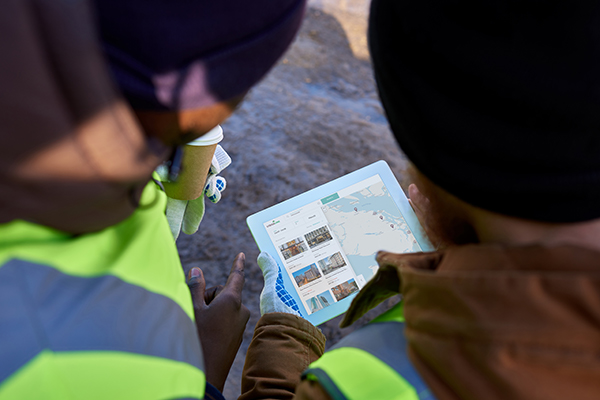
(447, 219)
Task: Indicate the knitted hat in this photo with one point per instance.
(496, 102)
(182, 54)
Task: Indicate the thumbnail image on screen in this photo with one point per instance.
(306, 275)
(332, 263)
(318, 236)
(344, 290)
(293, 248)
(319, 301)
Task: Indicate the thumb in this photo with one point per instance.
(197, 285)
(193, 216)
(417, 200)
(268, 266)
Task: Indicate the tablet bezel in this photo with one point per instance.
(256, 224)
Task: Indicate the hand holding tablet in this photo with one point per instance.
(325, 240)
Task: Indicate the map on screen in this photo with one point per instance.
(328, 246)
(365, 222)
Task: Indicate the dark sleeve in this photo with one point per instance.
(282, 348)
(212, 393)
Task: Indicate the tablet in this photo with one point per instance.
(325, 240)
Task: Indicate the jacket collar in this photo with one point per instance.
(504, 267)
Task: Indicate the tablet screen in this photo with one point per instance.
(328, 246)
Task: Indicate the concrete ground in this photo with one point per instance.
(314, 118)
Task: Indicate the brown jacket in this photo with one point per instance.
(482, 322)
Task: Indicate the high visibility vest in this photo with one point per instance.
(105, 315)
(370, 364)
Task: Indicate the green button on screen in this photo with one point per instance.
(330, 198)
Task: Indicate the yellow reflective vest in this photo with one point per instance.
(371, 363)
(105, 315)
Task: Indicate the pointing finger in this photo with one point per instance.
(236, 279)
(197, 286)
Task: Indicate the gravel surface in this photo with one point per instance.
(314, 118)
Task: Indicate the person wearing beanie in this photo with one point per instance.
(496, 105)
(179, 66)
(93, 300)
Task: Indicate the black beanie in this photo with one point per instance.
(496, 102)
(186, 54)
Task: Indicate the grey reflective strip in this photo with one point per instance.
(43, 308)
(386, 341)
(326, 382)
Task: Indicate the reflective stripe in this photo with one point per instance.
(139, 250)
(42, 308)
(317, 374)
(384, 340)
(103, 375)
(360, 375)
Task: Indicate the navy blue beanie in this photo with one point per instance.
(497, 102)
(184, 54)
